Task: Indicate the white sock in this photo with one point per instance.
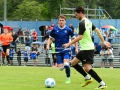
(68, 78)
(102, 83)
(87, 77)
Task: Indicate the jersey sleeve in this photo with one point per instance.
(93, 27)
(52, 35)
(81, 28)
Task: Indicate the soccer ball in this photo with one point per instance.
(49, 83)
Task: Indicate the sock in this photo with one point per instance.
(102, 83)
(87, 77)
(80, 70)
(67, 70)
(68, 78)
(70, 64)
(7, 57)
(94, 75)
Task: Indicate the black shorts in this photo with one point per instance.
(11, 58)
(25, 59)
(86, 56)
(5, 47)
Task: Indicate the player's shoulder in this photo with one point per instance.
(2, 34)
(55, 27)
(67, 28)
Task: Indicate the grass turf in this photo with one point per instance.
(32, 78)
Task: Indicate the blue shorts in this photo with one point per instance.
(103, 60)
(25, 59)
(11, 58)
(61, 56)
(110, 60)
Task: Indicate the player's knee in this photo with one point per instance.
(66, 64)
(87, 68)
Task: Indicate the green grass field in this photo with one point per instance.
(32, 78)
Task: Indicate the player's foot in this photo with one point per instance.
(67, 81)
(101, 87)
(87, 81)
(61, 68)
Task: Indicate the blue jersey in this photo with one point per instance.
(33, 55)
(11, 53)
(61, 36)
(73, 50)
(25, 54)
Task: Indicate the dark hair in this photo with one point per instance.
(79, 9)
(62, 16)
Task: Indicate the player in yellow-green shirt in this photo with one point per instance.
(86, 54)
(53, 53)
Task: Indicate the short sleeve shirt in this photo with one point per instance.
(86, 28)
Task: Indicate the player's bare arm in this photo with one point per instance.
(79, 37)
(101, 37)
(48, 43)
(76, 47)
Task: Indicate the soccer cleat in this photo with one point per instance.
(61, 68)
(87, 81)
(101, 87)
(67, 81)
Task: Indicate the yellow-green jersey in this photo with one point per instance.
(53, 48)
(85, 28)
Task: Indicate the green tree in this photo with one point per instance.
(29, 10)
(54, 8)
(11, 6)
(116, 10)
(108, 5)
(76, 3)
(1, 9)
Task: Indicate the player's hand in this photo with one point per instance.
(66, 45)
(107, 44)
(47, 48)
(76, 50)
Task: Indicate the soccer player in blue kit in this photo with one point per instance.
(61, 35)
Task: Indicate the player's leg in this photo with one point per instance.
(3, 61)
(11, 61)
(60, 64)
(66, 66)
(5, 51)
(35, 62)
(25, 61)
(102, 63)
(7, 54)
(60, 61)
(80, 69)
(35, 59)
(110, 63)
(54, 60)
(105, 62)
(87, 63)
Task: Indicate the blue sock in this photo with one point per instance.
(67, 70)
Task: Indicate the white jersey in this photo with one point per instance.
(102, 53)
(109, 53)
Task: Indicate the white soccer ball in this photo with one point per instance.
(49, 83)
